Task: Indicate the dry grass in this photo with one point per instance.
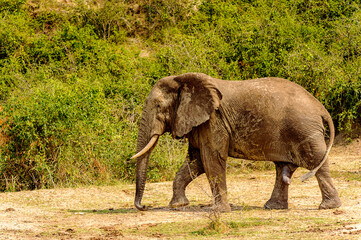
(107, 212)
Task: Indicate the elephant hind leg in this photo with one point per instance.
(330, 198)
(191, 168)
(279, 197)
(313, 152)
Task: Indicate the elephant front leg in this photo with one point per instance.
(215, 168)
(218, 185)
(191, 168)
(279, 197)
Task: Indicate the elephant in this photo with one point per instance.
(265, 119)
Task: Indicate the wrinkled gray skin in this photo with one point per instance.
(268, 119)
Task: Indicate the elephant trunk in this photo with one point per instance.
(145, 144)
(141, 177)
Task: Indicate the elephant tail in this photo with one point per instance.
(311, 173)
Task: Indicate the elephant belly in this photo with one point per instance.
(262, 151)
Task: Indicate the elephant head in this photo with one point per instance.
(176, 104)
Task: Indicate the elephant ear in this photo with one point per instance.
(198, 98)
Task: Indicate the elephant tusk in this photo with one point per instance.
(152, 141)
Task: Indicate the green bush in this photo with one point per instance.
(16, 34)
(11, 5)
(41, 124)
(74, 76)
(344, 99)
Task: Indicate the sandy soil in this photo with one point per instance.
(107, 212)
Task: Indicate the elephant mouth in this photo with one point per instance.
(178, 138)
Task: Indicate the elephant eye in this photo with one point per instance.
(158, 106)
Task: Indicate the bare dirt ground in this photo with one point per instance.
(107, 212)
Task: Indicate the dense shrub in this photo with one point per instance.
(42, 124)
(74, 74)
(11, 5)
(344, 98)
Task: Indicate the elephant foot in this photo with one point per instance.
(179, 202)
(330, 203)
(276, 204)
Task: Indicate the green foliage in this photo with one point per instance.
(108, 18)
(345, 98)
(11, 5)
(45, 122)
(74, 76)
